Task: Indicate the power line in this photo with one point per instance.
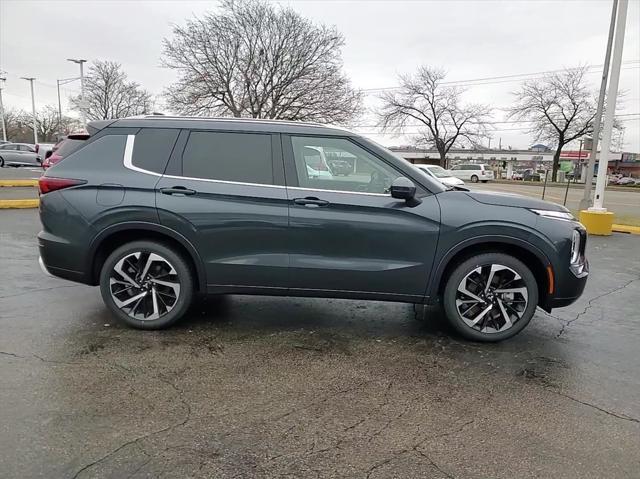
(512, 77)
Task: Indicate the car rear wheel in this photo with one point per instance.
(1, 162)
(474, 179)
(490, 297)
(146, 285)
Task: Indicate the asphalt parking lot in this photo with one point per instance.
(274, 387)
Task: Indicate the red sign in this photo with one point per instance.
(574, 154)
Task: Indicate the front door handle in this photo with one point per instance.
(178, 191)
(311, 202)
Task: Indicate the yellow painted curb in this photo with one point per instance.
(634, 230)
(18, 183)
(30, 203)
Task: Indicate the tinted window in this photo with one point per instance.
(152, 148)
(313, 157)
(26, 148)
(243, 157)
(68, 146)
(103, 150)
(10, 147)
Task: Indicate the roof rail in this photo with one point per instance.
(162, 116)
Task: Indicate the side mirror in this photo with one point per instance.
(403, 188)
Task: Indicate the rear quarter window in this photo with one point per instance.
(152, 148)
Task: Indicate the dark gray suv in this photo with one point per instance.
(156, 209)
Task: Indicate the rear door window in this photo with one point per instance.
(152, 148)
(236, 157)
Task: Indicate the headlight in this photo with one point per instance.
(575, 247)
(558, 215)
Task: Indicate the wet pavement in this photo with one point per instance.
(276, 387)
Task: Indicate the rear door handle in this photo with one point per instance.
(311, 202)
(178, 191)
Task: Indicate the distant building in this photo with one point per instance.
(539, 157)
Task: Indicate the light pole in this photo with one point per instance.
(62, 81)
(4, 127)
(82, 105)
(585, 202)
(33, 110)
(616, 61)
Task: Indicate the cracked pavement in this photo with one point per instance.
(262, 387)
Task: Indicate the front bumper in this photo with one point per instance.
(570, 285)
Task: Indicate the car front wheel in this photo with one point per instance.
(474, 179)
(146, 285)
(490, 297)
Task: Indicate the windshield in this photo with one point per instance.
(438, 171)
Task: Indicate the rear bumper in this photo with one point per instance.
(52, 253)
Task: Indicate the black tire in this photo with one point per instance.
(183, 277)
(467, 268)
(474, 179)
(1, 162)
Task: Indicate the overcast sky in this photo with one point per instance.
(470, 39)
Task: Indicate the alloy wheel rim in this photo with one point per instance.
(492, 298)
(144, 285)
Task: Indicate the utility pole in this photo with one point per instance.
(585, 202)
(59, 106)
(4, 126)
(81, 62)
(598, 202)
(33, 110)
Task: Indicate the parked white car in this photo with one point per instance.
(473, 173)
(316, 162)
(443, 176)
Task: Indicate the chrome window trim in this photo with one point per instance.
(339, 191)
(222, 181)
(128, 157)
(128, 163)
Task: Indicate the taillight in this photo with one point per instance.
(47, 184)
(482, 172)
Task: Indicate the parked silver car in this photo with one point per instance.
(19, 154)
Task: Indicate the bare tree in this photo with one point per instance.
(50, 127)
(560, 107)
(252, 59)
(108, 93)
(437, 107)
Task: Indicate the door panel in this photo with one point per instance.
(362, 243)
(239, 228)
(347, 234)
